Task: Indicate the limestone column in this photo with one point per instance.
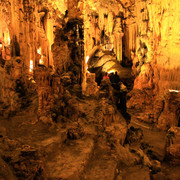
(50, 38)
(118, 34)
(118, 46)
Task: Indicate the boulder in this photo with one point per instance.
(173, 145)
(134, 135)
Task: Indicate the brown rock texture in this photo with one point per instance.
(56, 122)
(91, 86)
(156, 60)
(173, 145)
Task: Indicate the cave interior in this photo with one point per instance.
(89, 89)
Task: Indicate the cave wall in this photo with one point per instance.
(49, 32)
(156, 61)
(41, 34)
(102, 26)
(26, 34)
(32, 24)
(158, 30)
(151, 31)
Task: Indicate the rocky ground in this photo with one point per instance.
(82, 146)
(86, 137)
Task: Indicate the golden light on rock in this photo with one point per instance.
(112, 71)
(41, 61)
(39, 50)
(89, 89)
(87, 70)
(173, 90)
(31, 66)
(87, 59)
(6, 37)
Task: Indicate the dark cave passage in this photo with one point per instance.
(102, 62)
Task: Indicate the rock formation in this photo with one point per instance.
(89, 89)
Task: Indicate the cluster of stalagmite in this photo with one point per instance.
(48, 47)
(40, 35)
(91, 86)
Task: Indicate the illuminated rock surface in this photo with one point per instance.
(61, 117)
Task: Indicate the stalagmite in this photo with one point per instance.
(89, 89)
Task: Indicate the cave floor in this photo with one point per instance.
(152, 136)
(90, 157)
(157, 141)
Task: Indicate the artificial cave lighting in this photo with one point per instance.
(172, 90)
(7, 39)
(87, 70)
(31, 66)
(87, 59)
(41, 61)
(112, 71)
(39, 50)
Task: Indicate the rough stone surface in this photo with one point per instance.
(173, 145)
(56, 123)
